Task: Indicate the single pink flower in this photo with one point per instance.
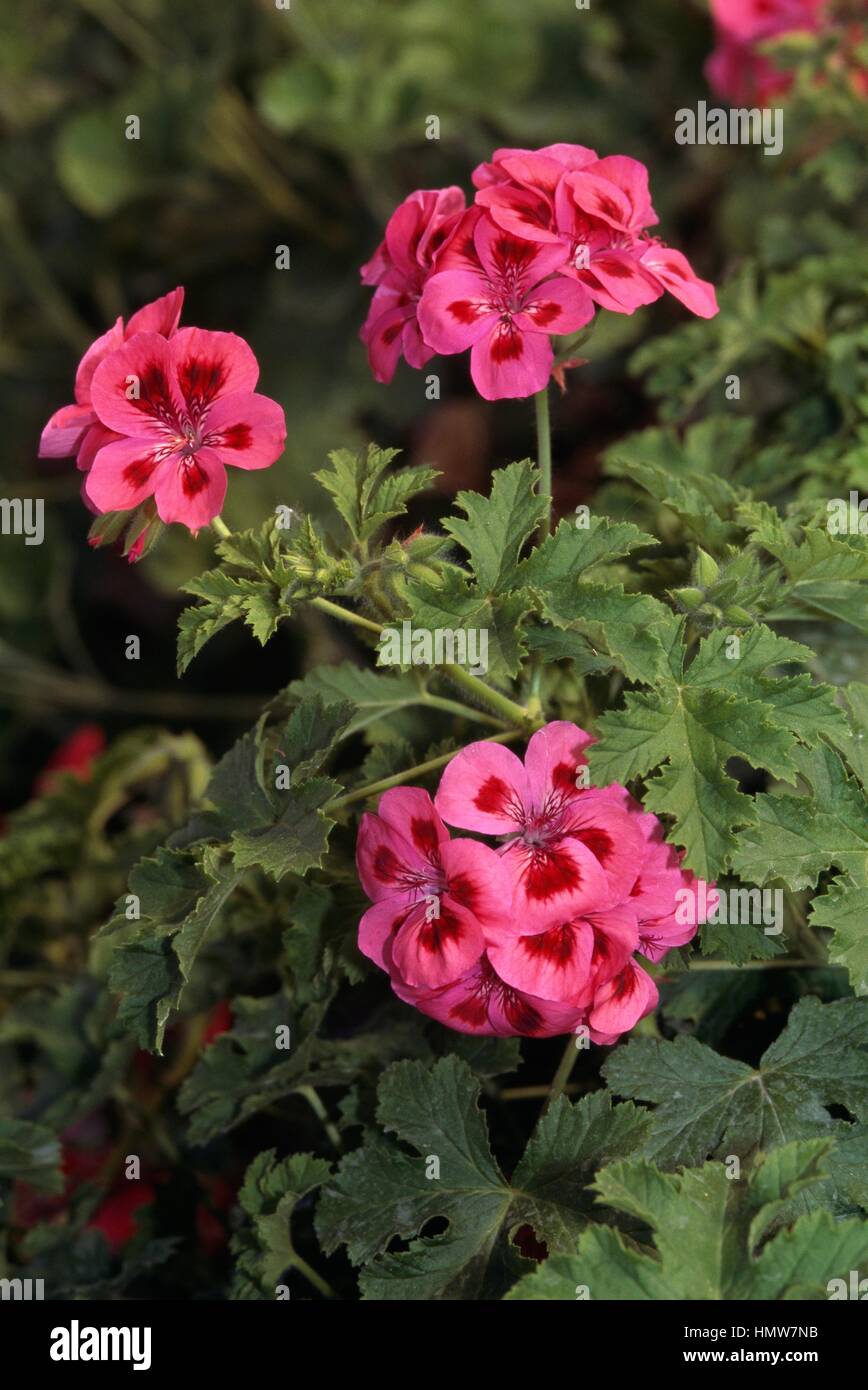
(183, 409)
(503, 306)
(75, 429)
(415, 234)
(433, 897)
(568, 850)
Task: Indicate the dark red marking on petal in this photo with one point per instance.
(544, 314)
(521, 1014)
(636, 890)
(506, 344)
(463, 890)
(236, 437)
(564, 776)
(472, 1010)
(624, 984)
(601, 950)
(139, 471)
(558, 944)
(550, 873)
(515, 254)
(393, 331)
(436, 933)
(598, 841)
(493, 797)
(201, 380)
(424, 834)
(386, 866)
(607, 207)
(466, 310)
(194, 479)
(617, 269)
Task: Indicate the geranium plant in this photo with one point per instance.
(638, 798)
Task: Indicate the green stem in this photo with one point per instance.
(563, 1073)
(219, 525)
(385, 783)
(501, 704)
(478, 716)
(776, 964)
(316, 1105)
(320, 1284)
(345, 615)
(544, 455)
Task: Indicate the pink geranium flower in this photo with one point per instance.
(598, 211)
(738, 70)
(568, 850)
(433, 897)
(541, 937)
(75, 429)
(182, 408)
(503, 304)
(415, 234)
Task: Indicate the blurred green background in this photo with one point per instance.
(261, 127)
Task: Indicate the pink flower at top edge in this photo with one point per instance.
(182, 409)
(415, 234)
(75, 429)
(503, 305)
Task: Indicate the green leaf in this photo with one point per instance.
(844, 909)
(689, 726)
(710, 1236)
(269, 1195)
(795, 838)
(498, 526)
(707, 1104)
(574, 550)
(297, 840)
(382, 1191)
(365, 494)
(30, 1153)
(375, 697)
(456, 605)
(623, 625)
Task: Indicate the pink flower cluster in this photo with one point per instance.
(552, 233)
(740, 72)
(539, 936)
(160, 411)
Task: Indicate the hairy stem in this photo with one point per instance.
(563, 1073)
(544, 454)
(385, 783)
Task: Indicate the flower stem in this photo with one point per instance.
(345, 615)
(563, 1073)
(544, 455)
(385, 783)
(219, 525)
(311, 1095)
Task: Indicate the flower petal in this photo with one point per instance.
(135, 390)
(410, 813)
(98, 350)
(508, 363)
(246, 430)
(160, 316)
(560, 880)
(556, 306)
(676, 274)
(478, 881)
(190, 489)
(617, 281)
(209, 365)
(553, 964)
(514, 259)
(552, 761)
(438, 943)
(484, 788)
(122, 474)
(455, 310)
(519, 211)
(64, 432)
(481, 1003)
(623, 1001)
(388, 863)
